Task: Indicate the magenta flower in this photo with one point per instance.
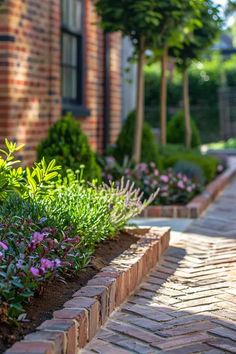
(1, 256)
(34, 271)
(164, 179)
(3, 246)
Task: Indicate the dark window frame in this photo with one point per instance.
(76, 106)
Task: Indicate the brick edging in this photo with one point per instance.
(197, 205)
(72, 327)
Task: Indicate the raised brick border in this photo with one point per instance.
(81, 317)
(198, 204)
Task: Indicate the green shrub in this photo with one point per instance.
(69, 146)
(208, 164)
(124, 144)
(176, 131)
(191, 170)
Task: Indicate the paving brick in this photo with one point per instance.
(187, 303)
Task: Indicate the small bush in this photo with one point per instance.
(69, 146)
(208, 164)
(124, 144)
(191, 170)
(176, 131)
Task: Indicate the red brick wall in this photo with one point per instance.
(30, 98)
(94, 80)
(29, 70)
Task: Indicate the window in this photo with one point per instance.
(71, 46)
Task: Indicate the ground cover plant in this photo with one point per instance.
(50, 225)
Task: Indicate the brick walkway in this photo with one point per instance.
(188, 303)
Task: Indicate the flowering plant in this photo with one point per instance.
(174, 188)
(29, 258)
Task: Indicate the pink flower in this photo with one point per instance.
(1, 256)
(3, 246)
(180, 185)
(34, 271)
(164, 179)
(185, 179)
(189, 189)
(156, 172)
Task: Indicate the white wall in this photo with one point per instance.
(128, 79)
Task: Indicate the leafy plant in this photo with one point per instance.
(68, 145)
(123, 147)
(176, 131)
(10, 179)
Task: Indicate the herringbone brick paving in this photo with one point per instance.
(188, 303)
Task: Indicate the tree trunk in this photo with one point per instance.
(187, 119)
(163, 98)
(139, 104)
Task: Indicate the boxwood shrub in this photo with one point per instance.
(68, 145)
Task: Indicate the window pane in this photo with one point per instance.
(69, 83)
(74, 84)
(69, 49)
(65, 11)
(72, 14)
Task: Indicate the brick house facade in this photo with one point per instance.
(31, 75)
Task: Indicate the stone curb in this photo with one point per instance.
(197, 205)
(72, 327)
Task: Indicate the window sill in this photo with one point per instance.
(76, 110)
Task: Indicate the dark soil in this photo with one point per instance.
(58, 292)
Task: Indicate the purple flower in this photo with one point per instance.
(1, 256)
(57, 263)
(37, 237)
(19, 263)
(3, 246)
(47, 264)
(164, 179)
(34, 271)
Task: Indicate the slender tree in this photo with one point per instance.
(139, 21)
(178, 18)
(194, 46)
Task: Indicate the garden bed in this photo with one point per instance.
(117, 268)
(198, 204)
